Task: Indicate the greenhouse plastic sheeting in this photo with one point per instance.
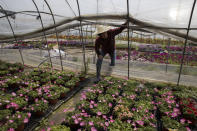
(166, 13)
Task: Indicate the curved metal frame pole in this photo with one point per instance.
(13, 34)
(55, 31)
(81, 38)
(43, 32)
(188, 29)
(128, 38)
(169, 41)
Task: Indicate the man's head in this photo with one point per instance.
(103, 35)
(102, 31)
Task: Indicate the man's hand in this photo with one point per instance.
(100, 57)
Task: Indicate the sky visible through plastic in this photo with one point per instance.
(165, 13)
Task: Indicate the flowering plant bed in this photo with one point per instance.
(114, 104)
(30, 92)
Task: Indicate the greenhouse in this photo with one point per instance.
(98, 65)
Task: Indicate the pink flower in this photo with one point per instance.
(51, 122)
(99, 113)
(76, 121)
(106, 123)
(25, 120)
(65, 110)
(91, 106)
(82, 123)
(32, 108)
(11, 121)
(140, 123)
(92, 102)
(91, 123)
(19, 116)
(95, 105)
(174, 114)
(188, 129)
(104, 116)
(110, 104)
(182, 121)
(79, 119)
(189, 122)
(111, 121)
(48, 129)
(11, 129)
(93, 129)
(128, 121)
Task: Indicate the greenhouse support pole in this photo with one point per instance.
(188, 29)
(55, 32)
(43, 32)
(81, 38)
(128, 38)
(13, 34)
(169, 41)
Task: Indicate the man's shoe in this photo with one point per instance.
(97, 80)
(111, 64)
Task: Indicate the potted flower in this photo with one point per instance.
(122, 112)
(52, 96)
(63, 91)
(90, 96)
(33, 94)
(17, 103)
(13, 82)
(169, 123)
(101, 109)
(70, 84)
(17, 121)
(3, 114)
(39, 107)
(95, 123)
(119, 125)
(82, 76)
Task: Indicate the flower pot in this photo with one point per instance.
(63, 95)
(76, 84)
(53, 101)
(39, 113)
(3, 121)
(20, 127)
(82, 78)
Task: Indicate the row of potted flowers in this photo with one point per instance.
(34, 91)
(130, 105)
